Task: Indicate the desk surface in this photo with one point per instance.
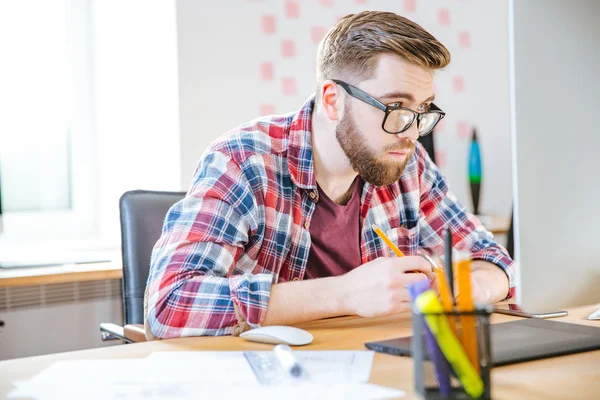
(575, 376)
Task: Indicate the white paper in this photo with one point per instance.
(330, 366)
(203, 375)
(322, 366)
(198, 390)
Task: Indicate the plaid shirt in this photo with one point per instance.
(244, 225)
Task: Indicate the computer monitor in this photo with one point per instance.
(555, 132)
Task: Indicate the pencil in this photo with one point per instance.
(387, 241)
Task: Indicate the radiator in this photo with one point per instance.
(48, 319)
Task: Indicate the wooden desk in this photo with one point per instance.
(60, 274)
(569, 377)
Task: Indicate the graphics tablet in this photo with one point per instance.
(519, 341)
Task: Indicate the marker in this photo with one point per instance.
(442, 369)
(428, 304)
(465, 303)
(288, 360)
(446, 297)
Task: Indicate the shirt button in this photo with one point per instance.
(306, 225)
(296, 279)
(312, 195)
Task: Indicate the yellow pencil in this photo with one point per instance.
(387, 241)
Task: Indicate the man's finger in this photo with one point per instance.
(414, 264)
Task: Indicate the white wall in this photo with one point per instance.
(223, 44)
(137, 127)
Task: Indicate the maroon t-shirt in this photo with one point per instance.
(334, 233)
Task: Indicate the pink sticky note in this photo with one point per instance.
(317, 33)
(266, 71)
(409, 5)
(288, 48)
(266, 109)
(464, 39)
(462, 129)
(444, 17)
(326, 3)
(292, 9)
(288, 86)
(268, 24)
(458, 84)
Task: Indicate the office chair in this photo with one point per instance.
(142, 215)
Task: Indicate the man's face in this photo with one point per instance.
(378, 157)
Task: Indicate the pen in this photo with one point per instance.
(288, 361)
(440, 364)
(429, 305)
(448, 261)
(387, 241)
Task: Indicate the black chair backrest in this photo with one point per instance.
(142, 215)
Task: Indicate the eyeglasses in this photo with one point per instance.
(398, 119)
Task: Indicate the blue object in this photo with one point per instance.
(475, 171)
(442, 368)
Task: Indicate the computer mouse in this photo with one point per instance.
(278, 335)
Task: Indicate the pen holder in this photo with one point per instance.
(437, 377)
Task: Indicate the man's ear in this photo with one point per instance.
(330, 97)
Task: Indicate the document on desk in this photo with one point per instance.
(203, 374)
(323, 366)
(198, 390)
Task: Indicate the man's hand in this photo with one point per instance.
(489, 283)
(379, 287)
(373, 289)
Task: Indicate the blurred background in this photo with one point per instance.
(101, 97)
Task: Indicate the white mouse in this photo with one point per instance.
(278, 335)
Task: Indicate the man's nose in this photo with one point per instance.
(411, 133)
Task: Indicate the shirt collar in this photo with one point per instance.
(300, 154)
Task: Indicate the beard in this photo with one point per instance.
(367, 163)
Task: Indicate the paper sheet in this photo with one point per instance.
(198, 390)
(203, 374)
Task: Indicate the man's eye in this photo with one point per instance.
(396, 104)
(424, 108)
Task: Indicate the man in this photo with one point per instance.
(276, 228)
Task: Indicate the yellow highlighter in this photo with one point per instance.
(387, 241)
(428, 302)
(465, 303)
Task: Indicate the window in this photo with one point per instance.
(46, 155)
(91, 91)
